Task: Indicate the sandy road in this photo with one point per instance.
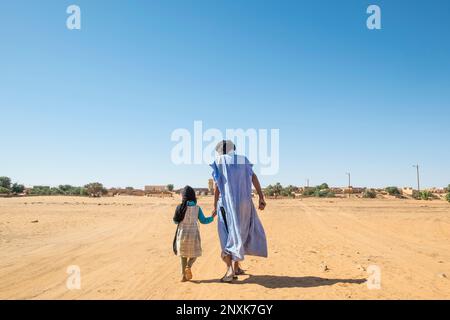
(123, 248)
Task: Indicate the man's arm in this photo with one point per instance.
(216, 198)
(257, 185)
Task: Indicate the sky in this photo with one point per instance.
(101, 103)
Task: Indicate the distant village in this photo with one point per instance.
(276, 191)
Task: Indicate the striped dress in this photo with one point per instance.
(188, 235)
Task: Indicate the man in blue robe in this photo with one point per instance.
(240, 230)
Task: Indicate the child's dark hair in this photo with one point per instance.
(188, 194)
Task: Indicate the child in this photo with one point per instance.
(187, 243)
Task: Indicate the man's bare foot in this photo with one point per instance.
(238, 271)
(229, 275)
(228, 278)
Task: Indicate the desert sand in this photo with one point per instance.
(319, 249)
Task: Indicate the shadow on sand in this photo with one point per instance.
(277, 282)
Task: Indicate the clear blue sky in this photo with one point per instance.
(100, 104)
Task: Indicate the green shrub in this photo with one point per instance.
(80, 191)
(273, 190)
(40, 191)
(447, 197)
(323, 186)
(291, 189)
(426, 195)
(393, 191)
(326, 193)
(309, 191)
(3, 190)
(95, 189)
(56, 191)
(17, 188)
(321, 191)
(369, 194)
(423, 195)
(5, 182)
(69, 190)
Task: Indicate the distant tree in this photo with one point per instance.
(66, 189)
(4, 190)
(170, 187)
(321, 191)
(268, 191)
(369, 194)
(17, 188)
(393, 191)
(56, 191)
(40, 190)
(5, 182)
(324, 193)
(447, 189)
(309, 191)
(95, 189)
(69, 190)
(291, 189)
(81, 191)
(323, 186)
(129, 188)
(447, 197)
(277, 189)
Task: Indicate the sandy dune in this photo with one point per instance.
(319, 249)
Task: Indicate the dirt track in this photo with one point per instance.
(123, 248)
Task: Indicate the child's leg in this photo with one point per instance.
(188, 271)
(184, 262)
(191, 262)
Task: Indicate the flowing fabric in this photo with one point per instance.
(240, 230)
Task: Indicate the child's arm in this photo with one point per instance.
(202, 218)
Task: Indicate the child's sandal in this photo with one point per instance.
(188, 273)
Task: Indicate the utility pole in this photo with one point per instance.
(349, 180)
(418, 176)
(307, 183)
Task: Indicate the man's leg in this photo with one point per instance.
(230, 273)
(237, 268)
